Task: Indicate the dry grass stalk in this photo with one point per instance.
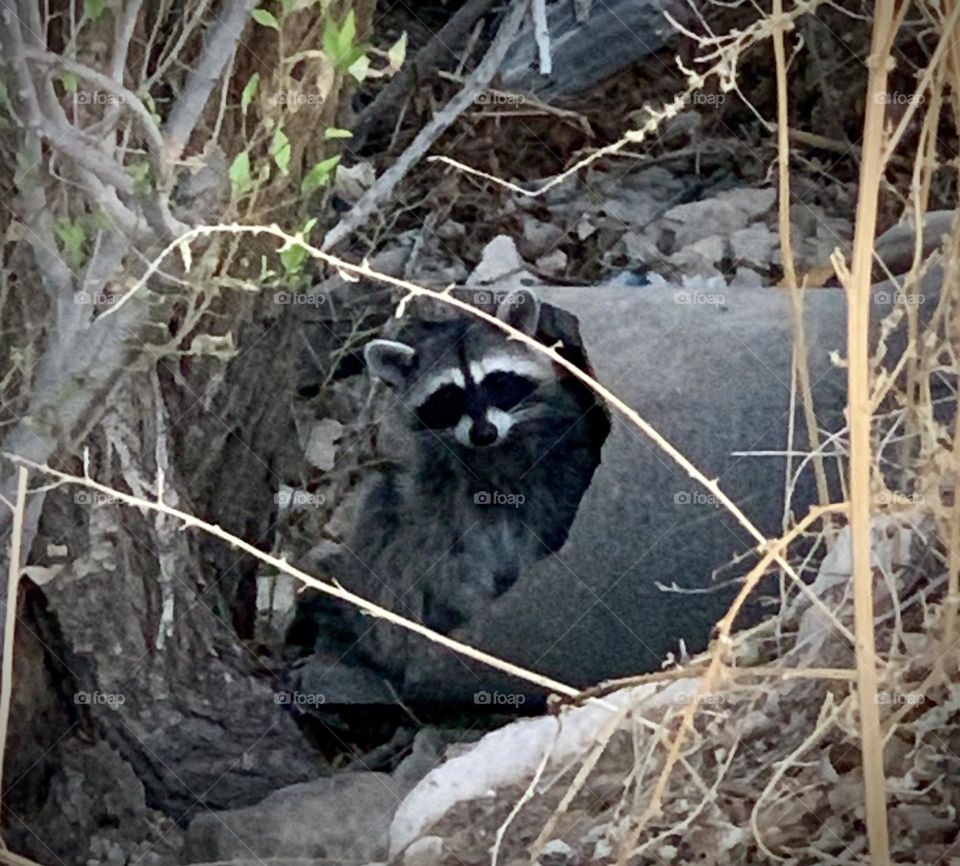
(800, 364)
(859, 417)
(953, 589)
(10, 617)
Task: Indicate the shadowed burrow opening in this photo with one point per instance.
(478, 451)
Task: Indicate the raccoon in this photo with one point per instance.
(504, 443)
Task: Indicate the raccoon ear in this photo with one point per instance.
(521, 310)
(389, 361)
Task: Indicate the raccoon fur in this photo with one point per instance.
(503, 445)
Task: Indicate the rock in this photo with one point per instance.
(343, 818)
(500, 259)
(321, 449)
(746, 278)
(640, 248)
(277, 596)
(352, 181)
(721, 215)
(754, 245)
(429, 746)
(701, 257)
(556, 851)
(553, 263)
(540, 237)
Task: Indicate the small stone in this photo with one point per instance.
(746, 278)
(555, 853)
(499, 260)
(553, 263)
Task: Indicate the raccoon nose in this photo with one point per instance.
(483, 432)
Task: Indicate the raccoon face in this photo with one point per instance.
(464, 380)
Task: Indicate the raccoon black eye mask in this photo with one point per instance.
(443, 408)
(505, 390)
(501, 390)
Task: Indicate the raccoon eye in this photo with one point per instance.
(504, 389)
(444, 408)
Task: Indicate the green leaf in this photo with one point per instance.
(286, 5)
(397, 53)
(280, 150)
(72, 239)
(319, 175)
(331, 40)
(359, 67)
(333, 132)
(292, 258)
(151, 105)
(93, 9)
(348, 32)
(69, 81)
(265, 18)
(140, 172)
(240, 173)
(249, 90)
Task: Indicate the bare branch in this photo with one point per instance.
(219, 49)
(387, 182)
(126, 97)
(384, 106)
(124, 33)
(56, 276)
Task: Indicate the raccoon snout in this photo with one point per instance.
(483, 433)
